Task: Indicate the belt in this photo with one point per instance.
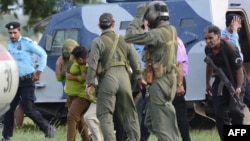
(28, 76)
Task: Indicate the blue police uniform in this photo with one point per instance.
(22, 51)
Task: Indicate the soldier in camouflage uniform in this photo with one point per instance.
(114, 88)
(160, 50)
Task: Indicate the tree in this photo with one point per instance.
(36, 9)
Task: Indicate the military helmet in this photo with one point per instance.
(156, 10)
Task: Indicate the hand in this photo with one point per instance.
(180, 90)
(236, 24)
(70, 76)
(88, 91)
(140, 10)
(36, 76)
(84, 75)
(142, 83)
(237, 91)
(145, 25)
(209, 90)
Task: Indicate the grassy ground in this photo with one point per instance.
(30, 132)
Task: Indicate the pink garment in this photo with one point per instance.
(182, 55)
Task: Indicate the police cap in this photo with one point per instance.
(12, 25)
(106, 19)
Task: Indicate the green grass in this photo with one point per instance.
(198, 135)
(30, 132)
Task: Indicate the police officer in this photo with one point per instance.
(225, 56)
(160, 50)
(22, 50)
(233, 26)
(114, 88)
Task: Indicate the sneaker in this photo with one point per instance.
(50, 132)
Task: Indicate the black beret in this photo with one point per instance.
(12, 25)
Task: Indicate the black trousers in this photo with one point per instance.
(25, 94)
(180, 105)
(227, 112)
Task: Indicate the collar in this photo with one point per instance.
(107, 31)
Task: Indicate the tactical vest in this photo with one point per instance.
(167, 51)
(167, 64)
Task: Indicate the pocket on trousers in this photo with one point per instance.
(158, 70)
(99, 69)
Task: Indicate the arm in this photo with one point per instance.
(180, 88)
(93, 58)
(69, 76)
(38, 50)
(134, 61)
(181, 59)
(135, 33)
(235, 62)
(35, 48)
(239, 79)
(80, 72)
(58, 72)
(235, 27)
(135, 64)
(209, 72)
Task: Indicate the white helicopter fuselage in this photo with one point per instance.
(9, 79)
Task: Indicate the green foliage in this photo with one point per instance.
(36, 9)
(5, 5)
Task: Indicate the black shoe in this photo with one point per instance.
(5, 139)
(50, 132)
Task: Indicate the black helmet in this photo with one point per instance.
(156, 10)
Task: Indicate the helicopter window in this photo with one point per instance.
(124, 25)
(188, 22)
(60, 36)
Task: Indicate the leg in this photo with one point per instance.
(164, 125)
(93, 123)
(119, 130)
(161, 116)
(126, 110)
(28, 105)
(221, 108)
(19, 116)
(181, 114)
(77, 107)
(83, 129)
(144, 130)
(106, 100)
(180, 106)
(9, 117)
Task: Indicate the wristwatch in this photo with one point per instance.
(90, 85)
(179, 84)
(238, 89)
